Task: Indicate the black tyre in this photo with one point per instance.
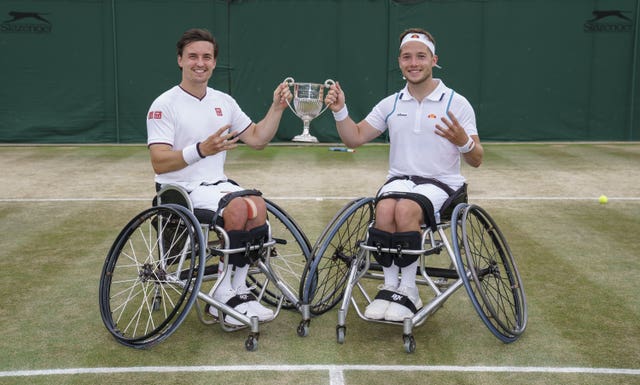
(142, 299)
(489, 272)
(326, 275)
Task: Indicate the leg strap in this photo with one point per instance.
(240, 299)
(397, 298)
(242, 238)
(408, 240)
(380, 239)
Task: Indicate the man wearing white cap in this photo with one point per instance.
(430, 128)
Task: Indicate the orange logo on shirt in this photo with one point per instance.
(431, 116)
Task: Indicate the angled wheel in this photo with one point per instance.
(143, 300)
(287, 258)
(489, 272)
(326, 274)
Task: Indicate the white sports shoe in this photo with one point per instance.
(224, 295)
(255, 308)
(397, 312)
(378, 307)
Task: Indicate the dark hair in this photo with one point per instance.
(197, 34)
(417, 30)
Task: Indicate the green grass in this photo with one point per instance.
(579, 261)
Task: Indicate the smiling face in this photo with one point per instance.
(416, 62)
(197, 62)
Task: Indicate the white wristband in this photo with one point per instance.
(468, 147)
(191, 154)
(342, 114)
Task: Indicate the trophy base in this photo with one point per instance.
(305, 138)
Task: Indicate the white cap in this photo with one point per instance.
(422, 38)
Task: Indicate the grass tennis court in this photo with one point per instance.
(62, 207)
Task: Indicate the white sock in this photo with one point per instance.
(240, 277)
(391, 275)
(225, 283)
(409, 275)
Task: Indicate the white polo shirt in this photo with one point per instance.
(415, 148)
(180, 119)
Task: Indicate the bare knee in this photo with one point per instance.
(407, 215)
(385, 215)
(235, 214)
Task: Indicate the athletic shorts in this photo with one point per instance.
(208, 197)
(436, 195)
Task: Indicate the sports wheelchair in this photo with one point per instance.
(478, 259)
(160, 263)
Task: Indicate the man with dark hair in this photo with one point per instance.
(190, 128)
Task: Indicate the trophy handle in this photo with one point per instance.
(327, 83)
(290, 82)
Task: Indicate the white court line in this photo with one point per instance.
(317, 198)
(335, 371)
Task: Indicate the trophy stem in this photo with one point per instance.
(305, 136)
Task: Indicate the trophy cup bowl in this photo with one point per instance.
(308, 99)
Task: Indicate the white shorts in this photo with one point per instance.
(208, 197)
(436, 195)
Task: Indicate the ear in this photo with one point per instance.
(180, 61)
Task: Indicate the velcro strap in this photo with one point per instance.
(400, 299)
(239, 299)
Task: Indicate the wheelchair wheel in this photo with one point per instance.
(288, 256)
(143, 300)
(489, 272)
(338, 247)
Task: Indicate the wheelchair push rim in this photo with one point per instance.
(288, 257)
(326, 275)
(489, 272)
(142, 299)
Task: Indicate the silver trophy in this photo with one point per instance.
(308, 99)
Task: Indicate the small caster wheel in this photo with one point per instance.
(340, 333)
(251, 344)
(303, 329)
(409, 343)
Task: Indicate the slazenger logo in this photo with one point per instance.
(26, 22)
(608, 21)
(244, 297)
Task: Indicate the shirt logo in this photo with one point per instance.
(218, 111)
(154, 115)
(431, 116)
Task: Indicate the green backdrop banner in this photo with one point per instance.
(86, 71)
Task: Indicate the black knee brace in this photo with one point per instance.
(259, 236)
(241, 238)
(408, 240)
(380, 239)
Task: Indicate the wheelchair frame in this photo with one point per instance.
(479, 259)
(155, 269)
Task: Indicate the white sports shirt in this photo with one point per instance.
(180, 119)
(415, 147)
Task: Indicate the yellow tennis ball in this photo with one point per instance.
(603, 199)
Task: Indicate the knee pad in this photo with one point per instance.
(238, 239)
(408, 240)
(241, 238)
(380, 239)
(259, 236)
